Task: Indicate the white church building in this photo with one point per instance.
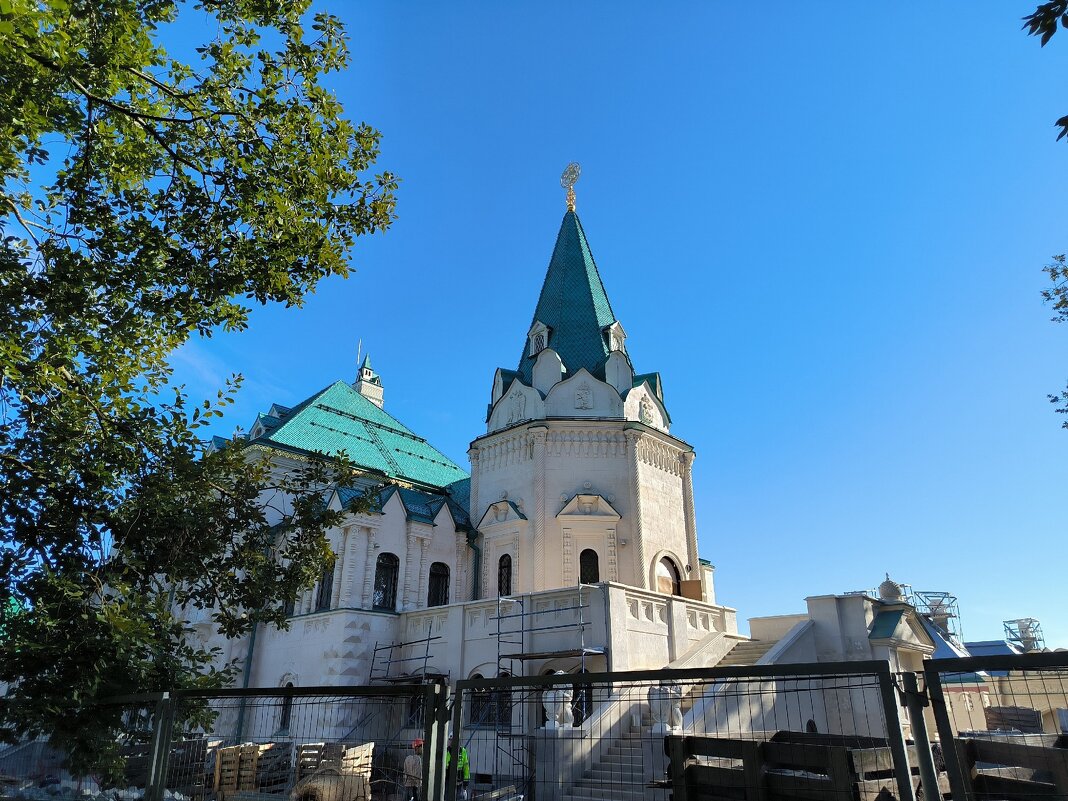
(571, 545)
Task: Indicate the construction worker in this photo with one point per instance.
(463, 771)
(413, 772)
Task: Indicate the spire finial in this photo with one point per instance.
(568, 180)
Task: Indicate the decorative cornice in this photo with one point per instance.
(659, 455)
(587, 442)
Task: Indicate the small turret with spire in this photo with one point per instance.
(369, 384)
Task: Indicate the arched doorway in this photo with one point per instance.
(668, 578)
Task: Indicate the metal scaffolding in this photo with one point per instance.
(387, 657)
(941, 609)
(1025, 633)
(517, 625)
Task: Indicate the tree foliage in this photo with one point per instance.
(1044, 22)
(148, 198)
(1057, 296)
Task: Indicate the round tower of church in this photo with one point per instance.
(578, 478)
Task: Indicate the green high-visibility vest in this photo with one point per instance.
(463, 770)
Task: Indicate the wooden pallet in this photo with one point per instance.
(236, 768)
(788, 767)
(1002, 769)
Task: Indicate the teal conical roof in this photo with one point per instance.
(573, 304)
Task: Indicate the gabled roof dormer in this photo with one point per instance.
(537, 338)
(615, 337)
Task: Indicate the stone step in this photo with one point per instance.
(628, 746)
(612, 791)
(604, 775)
(617, 759)
(746, 652)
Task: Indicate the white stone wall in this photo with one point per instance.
(663, 522)
(639, 629)
(541, 466)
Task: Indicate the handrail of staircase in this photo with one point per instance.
(785, 643)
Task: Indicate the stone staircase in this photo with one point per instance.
(619, 775)
(746, 652)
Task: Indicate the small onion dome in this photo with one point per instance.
(890, 590)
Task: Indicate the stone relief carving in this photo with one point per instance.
(645, 412)
(584, 397)
(517, 406)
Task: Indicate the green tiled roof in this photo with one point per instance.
(573, 304)
(339, 418)
(654, 383)
(423, 505)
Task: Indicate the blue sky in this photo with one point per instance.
(824, 224)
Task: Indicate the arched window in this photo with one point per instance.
(438, 592)
(502, 704)
(286, 712)
(385, 594)
(589, 568)
(504, 575)
(326, 589)
(479, 710)
(668, 580)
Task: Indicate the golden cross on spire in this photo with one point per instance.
(568, 180)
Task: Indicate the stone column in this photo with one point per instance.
(409, 557)
(611, 571)
(476, 512)
(634, 439)
(537, 440)
(369, 570)
(348, 575)
(339, 567)
(691, 523)
(424, 573)
(458, 590)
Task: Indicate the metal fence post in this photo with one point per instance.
(454, 744)
(162, 727)
(434, 715)
(915, 701)
(895, 736)
(946, 735)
